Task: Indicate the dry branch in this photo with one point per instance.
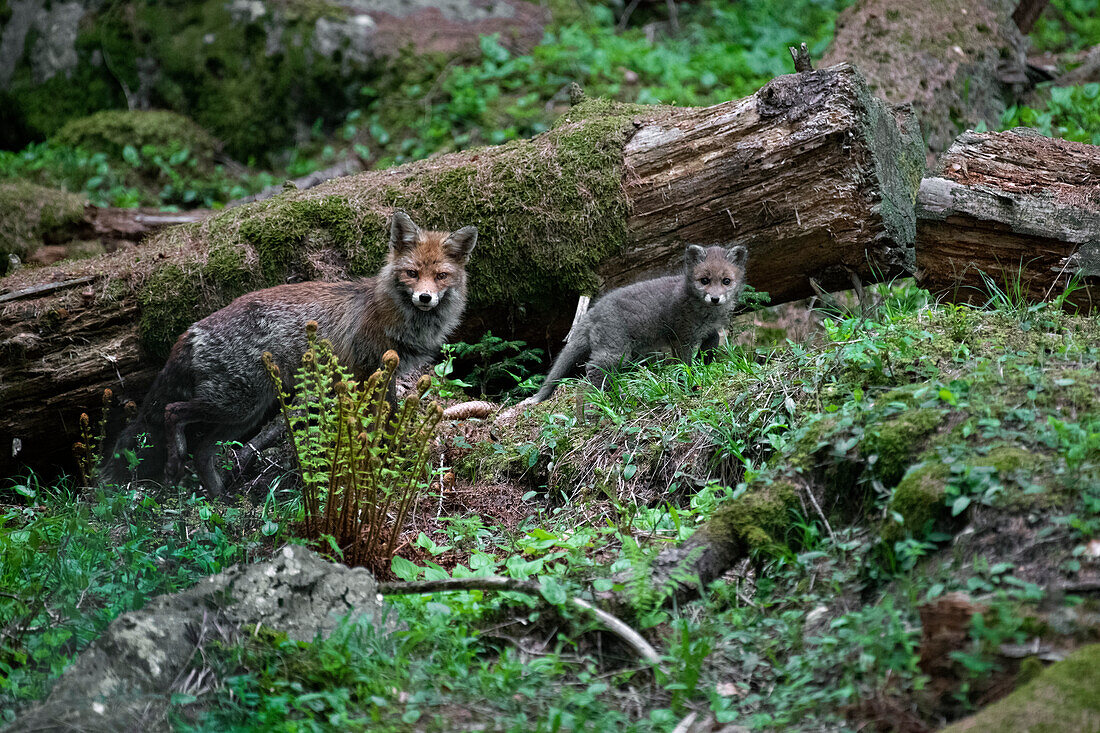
(1022, 208)
(496, 582)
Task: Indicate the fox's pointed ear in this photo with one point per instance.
(403, 232)
(737, 255)
(693, 255)
(461, 243)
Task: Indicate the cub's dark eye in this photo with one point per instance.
(412, 273)
(441, 276)
(726, 281)
(705, 280)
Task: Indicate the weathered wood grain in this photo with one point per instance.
(1021, 208)
(812, 173)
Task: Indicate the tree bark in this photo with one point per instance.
(1021, 208)
(1027, 12)
(955, 61)
(812, 173)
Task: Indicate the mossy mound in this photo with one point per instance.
(919, 426)
(29, 213)
(548, 211)
(1064, 697)
(112, 131)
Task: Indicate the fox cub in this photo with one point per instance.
(215, 388)
(679, 313)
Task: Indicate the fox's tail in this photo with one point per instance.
(145, 439)
(571, 357)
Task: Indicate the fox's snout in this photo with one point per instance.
(425, 299)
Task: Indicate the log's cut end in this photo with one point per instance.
(813, 173)
(1012, 210)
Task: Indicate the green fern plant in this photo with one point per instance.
(87, 449)
(362, 467)
(647, 599)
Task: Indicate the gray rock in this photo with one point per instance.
(125, 679)
(55, 50)
(12, 40)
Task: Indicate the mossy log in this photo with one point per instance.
(812, 173)
(1017, 206)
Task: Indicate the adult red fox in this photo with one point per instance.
(215, 387)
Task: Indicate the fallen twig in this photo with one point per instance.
(496, 582)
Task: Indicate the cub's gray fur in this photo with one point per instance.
(679, 313)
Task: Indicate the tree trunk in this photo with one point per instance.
(955, 61)
(1021, 208)
(812, 173)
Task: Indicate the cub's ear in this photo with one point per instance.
(693, 255)
(737, 255)
(461, 243)
(404, 234)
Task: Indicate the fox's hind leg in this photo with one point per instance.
(206, 455)
(602, 363)
(216, 423)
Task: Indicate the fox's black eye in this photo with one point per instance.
(412, 273)
(705, 280)
(441, 276)
(725, 281)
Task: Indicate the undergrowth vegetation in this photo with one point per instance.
(909, 451)
(362, 464)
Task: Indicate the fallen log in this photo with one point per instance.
(1021, 208)
(955, 61)
(812, 173)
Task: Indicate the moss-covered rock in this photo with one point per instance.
(1064, 697)
(894, 441)
(918, 499)
(112, 131)
(759, 517)
(28, 213)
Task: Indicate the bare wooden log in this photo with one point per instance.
(812, 173)
(134, 224)
(1021, 208)
(44, 288)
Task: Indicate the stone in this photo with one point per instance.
(125, 679)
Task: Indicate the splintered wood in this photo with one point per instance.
(1021, 208)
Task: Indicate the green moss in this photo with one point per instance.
(1062, 698)
(918, 499)
(285, 231)
(803, 456)
(1007, 459)
(759, 517)
(29, 212)
(894, 441)
(548, 211)
(175, 296)
(168, 302)
(111, 131)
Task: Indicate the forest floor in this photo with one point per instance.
(921, 494)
